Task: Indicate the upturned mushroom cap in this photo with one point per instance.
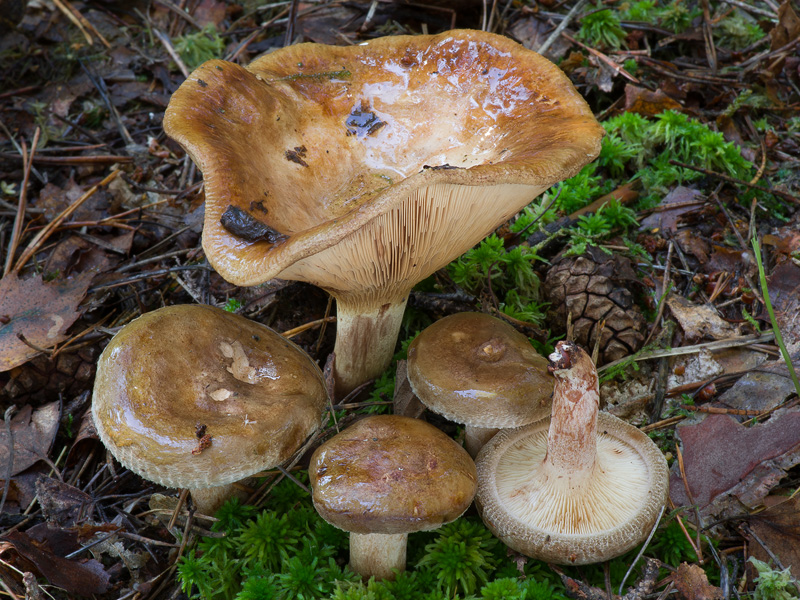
(565, 508)
(431, 140)
(364, 169)
(180, 371)
(392, 475)
(475, 369)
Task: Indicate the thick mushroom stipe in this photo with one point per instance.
(364, 169)
(194, 397)
(577, 488)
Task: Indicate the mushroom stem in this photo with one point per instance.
(476, 437)
(208, 501)
(378, 554)
(572, 437)
(365, 341)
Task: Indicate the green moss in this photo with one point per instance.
(601, 28)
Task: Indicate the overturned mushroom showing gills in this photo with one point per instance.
(194, 397)
(578, 488)
(364, 169)
(477, 370)
(387, 476)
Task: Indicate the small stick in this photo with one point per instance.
(16, 232)
(75, 21)
(85, 22)
(178, 506)
(40, 238)
(561, 27)
(697, 549)
(310, 325)
(167, 43)
(617, 68)
(723, 177)
(97, 159)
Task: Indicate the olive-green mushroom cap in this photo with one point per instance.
(475, 369)
(391, 474)
(181, 372)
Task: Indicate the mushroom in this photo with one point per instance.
(363, 169)
(194, 397)
(477, 370)
(384, 477)
(578, 488)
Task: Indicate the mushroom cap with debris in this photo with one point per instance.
(475, 369)
(371, 166)
(390, 474)
(192, 396)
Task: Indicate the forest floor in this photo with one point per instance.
(687, 224)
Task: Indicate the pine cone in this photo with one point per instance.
(42, 379)
(594, 287)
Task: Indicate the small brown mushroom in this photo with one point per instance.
(578, 488)
(194, 397)
(477, 370)
(363, 169)
(387, 476)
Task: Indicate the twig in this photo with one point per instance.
(287, 40)
(751, 9)
(697, 549)
(75, 21)
(167, 43)
(617, 68)
(141, 276)
(83, 22)
(290, 333)
(561, 27)
(712, 346)
(16, 232)
(181, 501)
(10, 465)
(45, 233)
(181, 13)
(729, 179)
(97, 159)
(665, 287)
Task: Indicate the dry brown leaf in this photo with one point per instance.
(665, 219)
(76, 578)
(33, 434)
(787, 29)
(699, 322)
(784, 292)
(648, 103)
(63, 504)
(730, 467)
(41, 312)
(778, 528)
(692, 583)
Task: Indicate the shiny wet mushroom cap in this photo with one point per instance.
(578, 488)
(363, 169)
(192, 396)
(384, 477)
(477, 370)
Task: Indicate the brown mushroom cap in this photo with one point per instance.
(391, 475)
(478, 370)
(546, 518)
(174, 370)
(310, 143)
